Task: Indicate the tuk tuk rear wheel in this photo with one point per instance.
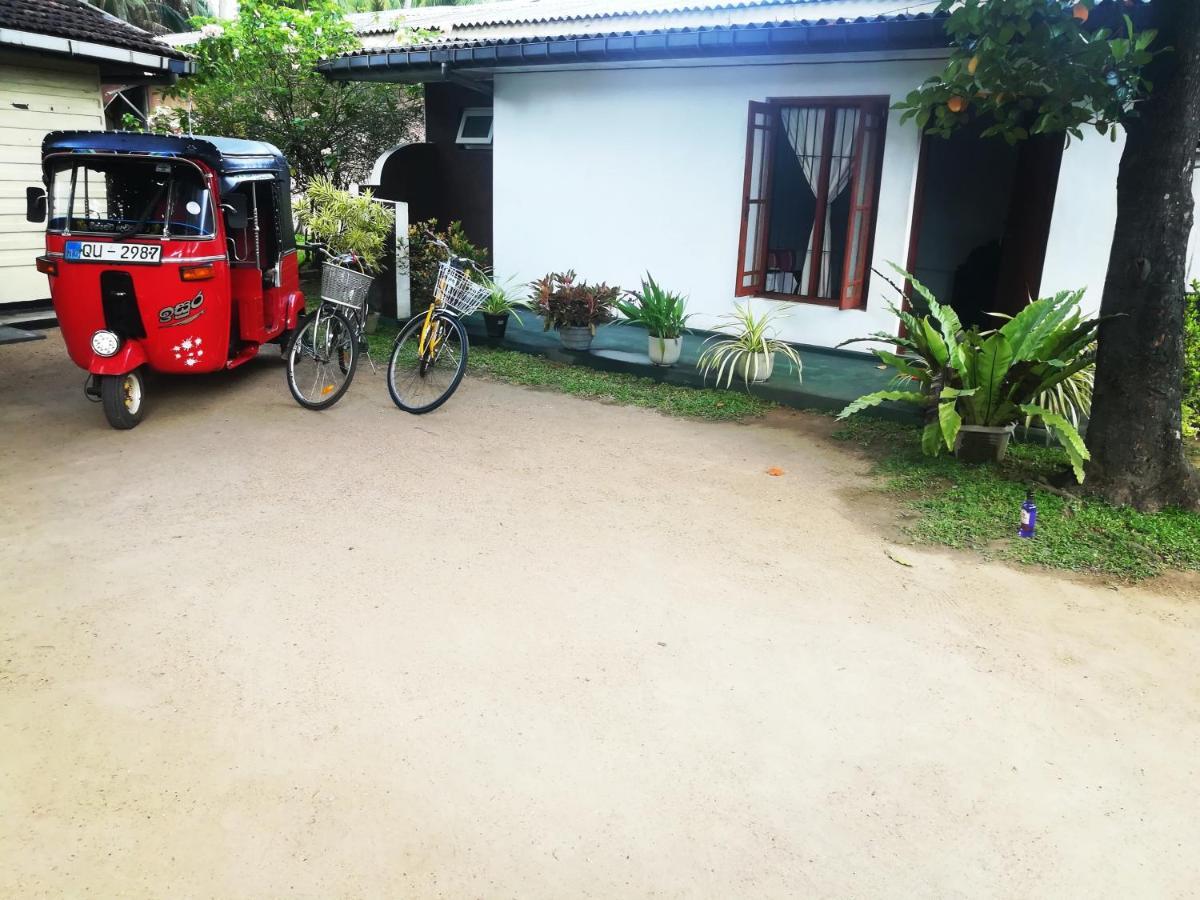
(123, 397)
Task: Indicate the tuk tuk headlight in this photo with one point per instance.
(105, 343)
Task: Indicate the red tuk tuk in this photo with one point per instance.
(175, 254)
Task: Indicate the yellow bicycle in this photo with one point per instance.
(429, 356)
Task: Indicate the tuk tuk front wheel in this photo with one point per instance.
(122, 397)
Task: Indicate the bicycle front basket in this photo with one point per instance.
(457, 292)
(345, 287)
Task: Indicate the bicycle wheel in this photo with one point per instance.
(321, 360)
(423, 375)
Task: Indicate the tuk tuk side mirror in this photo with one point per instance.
(237, 211)
(35, 204)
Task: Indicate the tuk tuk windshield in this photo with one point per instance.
(129, 197)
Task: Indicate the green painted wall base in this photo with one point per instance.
(832, 378)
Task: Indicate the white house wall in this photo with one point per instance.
(1085, 211)
(619, 172)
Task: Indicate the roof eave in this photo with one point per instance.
(417, 64)
(125, 58)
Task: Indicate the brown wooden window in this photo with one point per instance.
(808, 208)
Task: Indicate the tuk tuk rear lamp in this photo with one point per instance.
(197, 273)
(47, 266)
(105, 343)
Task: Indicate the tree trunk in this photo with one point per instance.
(1135, 434)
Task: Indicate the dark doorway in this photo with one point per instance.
(448, 176)
(984, 210)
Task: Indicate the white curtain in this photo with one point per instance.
(805, 130)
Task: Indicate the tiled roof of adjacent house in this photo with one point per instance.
(80, 21)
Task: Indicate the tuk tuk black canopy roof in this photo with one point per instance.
(227, 156)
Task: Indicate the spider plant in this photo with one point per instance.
(747, 347)
(1070, 399)
(503, 299)
(659, 311)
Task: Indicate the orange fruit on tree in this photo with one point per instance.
(1080, 12)
(972, 65)
(956, 104)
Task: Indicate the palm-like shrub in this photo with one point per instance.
(745, 348)
(345, 223)
(661, 312)
(990, 378)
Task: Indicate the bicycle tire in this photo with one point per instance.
(418, 371)
(329, 394)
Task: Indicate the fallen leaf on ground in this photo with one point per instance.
(775, 471)
(898, 559)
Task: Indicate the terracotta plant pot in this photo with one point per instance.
(575, 337)
(495, 325)
(982, 443)
(664, 351)
(745, 367)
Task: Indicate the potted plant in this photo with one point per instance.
(354, 232)
(574, 307)
(746, 349)
(502, 301)
(662, 314)
(975, 385)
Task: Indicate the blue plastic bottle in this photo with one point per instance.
(1028, 516)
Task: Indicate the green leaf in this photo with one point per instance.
(950, 422)
(987, 366)
(869, 400)
(931, 439)
(1072, 443)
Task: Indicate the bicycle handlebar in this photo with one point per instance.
(451, 255)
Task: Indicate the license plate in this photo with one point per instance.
(102, 251)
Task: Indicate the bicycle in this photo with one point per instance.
(322, 356)
(429, 355)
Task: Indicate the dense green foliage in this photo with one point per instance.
(976, 508)
(661, 312)
(257, 79)
(1032, 66)
(1191, 367)
(561, 299)
(990, 378)
(345, 223)
(155, 16)
(424, 257)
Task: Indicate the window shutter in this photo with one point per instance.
(755, 207)
(860, 231)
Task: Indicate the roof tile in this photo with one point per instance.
(77, 20)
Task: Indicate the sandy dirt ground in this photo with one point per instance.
(534, 646)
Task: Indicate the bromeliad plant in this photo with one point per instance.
(748, 350)
(990, 378)
(563, 301)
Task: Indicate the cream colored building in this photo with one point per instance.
(52, 66)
